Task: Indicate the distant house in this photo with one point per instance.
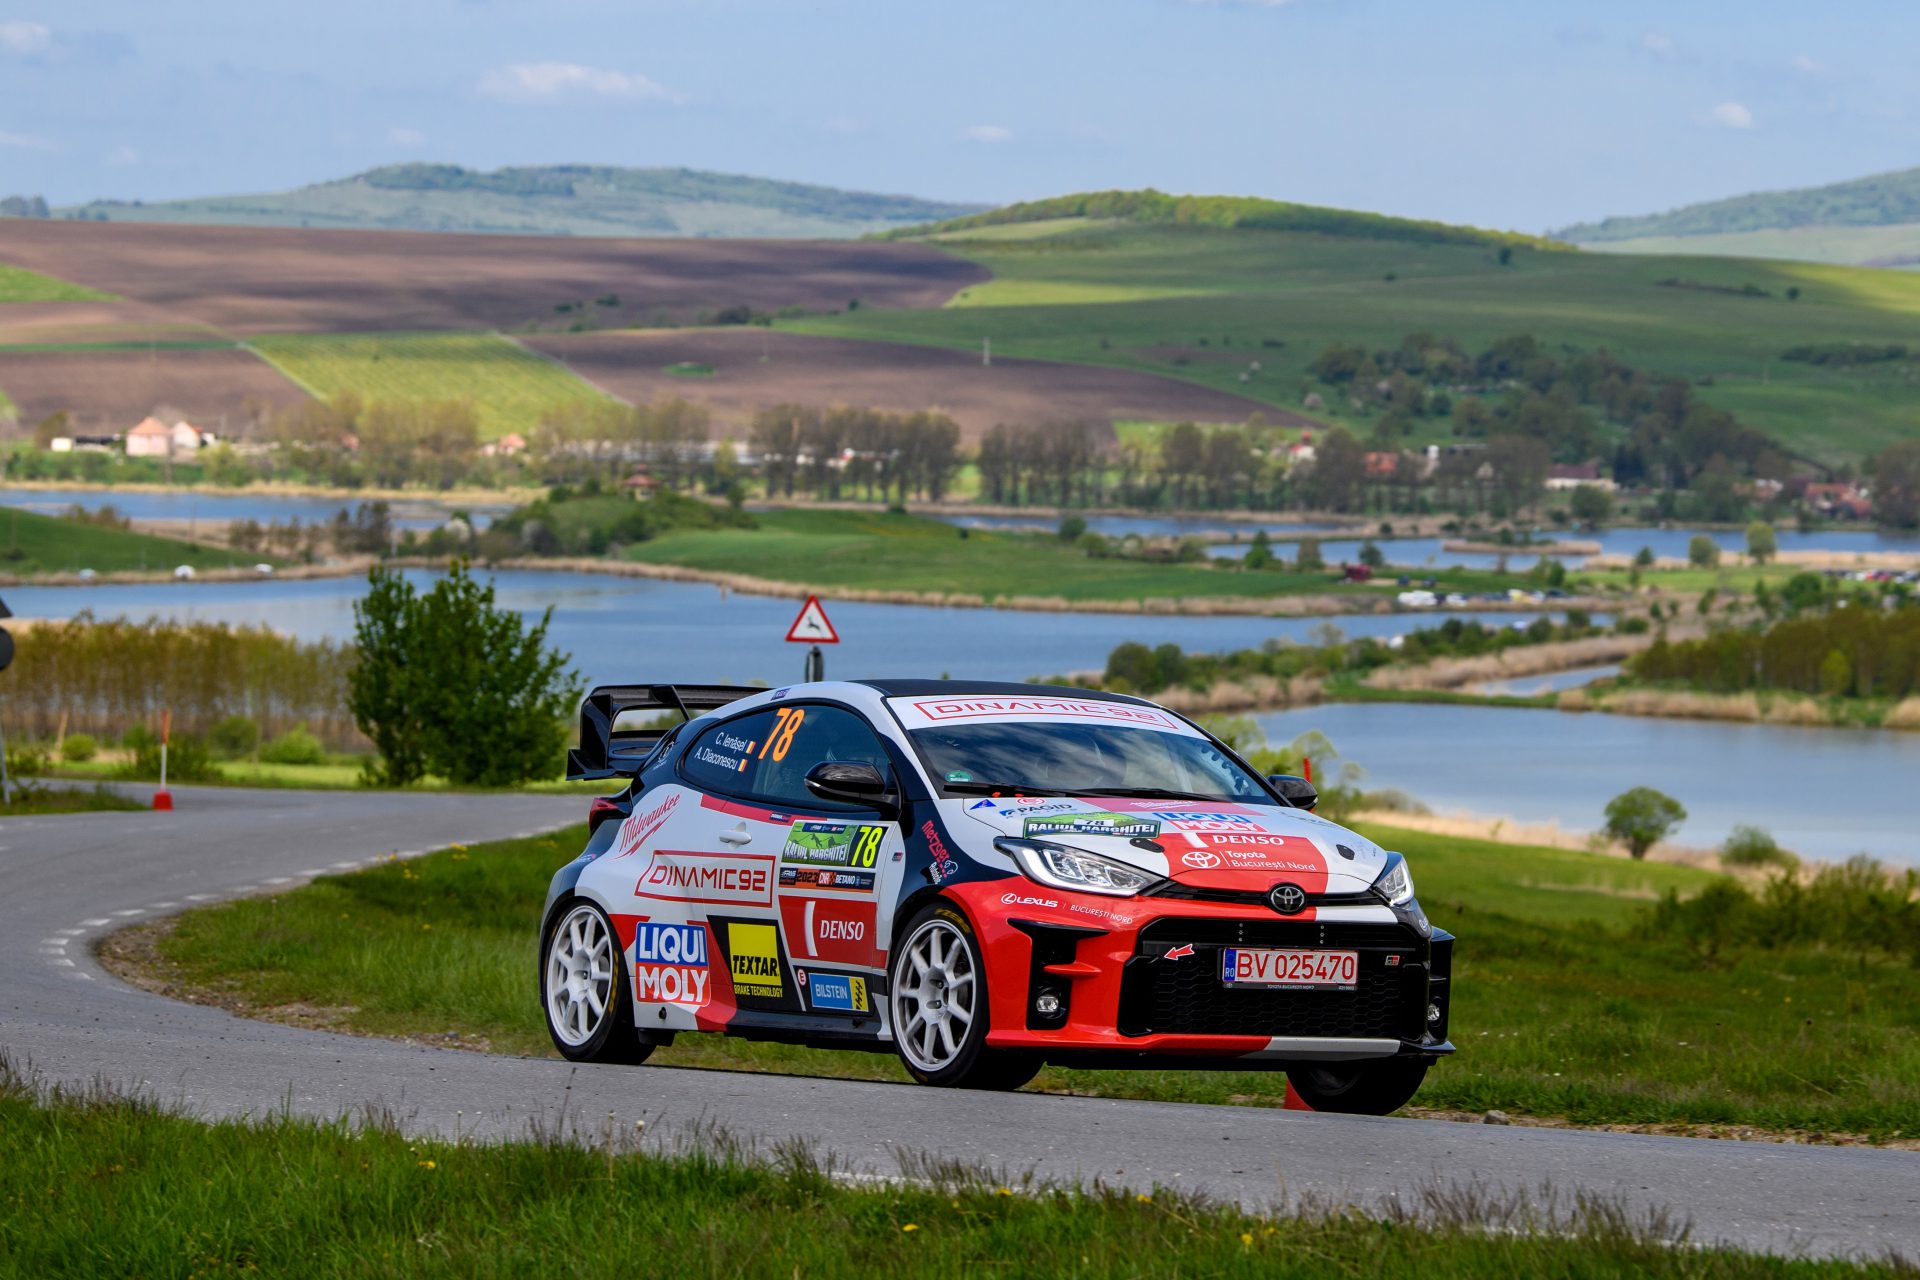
(1840, 500)
(505, 447)
(1577, 475)
(1302, 450)
(60, 444)
(155, 439)
(1380, 464)
(151, 439)
(640, 485)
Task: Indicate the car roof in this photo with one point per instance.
(994, 688)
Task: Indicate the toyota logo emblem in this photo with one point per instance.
(1202, 861)
(1288, 899)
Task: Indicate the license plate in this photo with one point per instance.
(1291, 970)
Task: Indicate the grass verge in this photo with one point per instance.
(32, 543)
(30, 798)
(1566, 1008)
(99, 1185)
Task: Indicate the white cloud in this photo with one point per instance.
(1807, 66)
(1657, 43)
(120, 158)
(401, 136)
(987, 133)
(25, 37)
(1731, 115)
(843, 125)
(1242, 4)
(26, 142)
(556, 81)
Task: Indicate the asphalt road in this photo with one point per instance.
(67, 880)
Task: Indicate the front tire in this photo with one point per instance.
(584, 988)
(938, 999)
(1372, 1088)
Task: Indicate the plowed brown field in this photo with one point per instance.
(754, 368)
(109, 391)
(248, 280)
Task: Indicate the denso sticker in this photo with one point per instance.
(826, 878)
(638, 826)
(918, 713)
(670, 964)
(1092, 824)
(836, 930)
(744, 879)
(754, 960)
(839, 992)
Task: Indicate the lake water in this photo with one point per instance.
(1672, 543)
(218, 509)
(1552, 682)
(637, 629)
(1824, 793)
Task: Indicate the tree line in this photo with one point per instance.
(1859, 650)
(855, 452)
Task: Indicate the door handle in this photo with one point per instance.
(739, 835)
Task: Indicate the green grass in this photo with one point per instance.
(688, 369)
(32, 543)
(890, 552)
(17, 284)
(1113, 293)
(1808, 244)
(31, 799)
(96, 1185)
(1561, 1008)
(510, 386)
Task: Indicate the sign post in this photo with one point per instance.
(6, 659)
(812, 627)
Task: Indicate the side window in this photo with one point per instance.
(768, 754)
(826, 733)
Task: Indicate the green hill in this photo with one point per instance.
(1247, 309)
(1869, 221)
(1156, 208)
(580, 200)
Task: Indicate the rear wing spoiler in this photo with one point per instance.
(605, 752)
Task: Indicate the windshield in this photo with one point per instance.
(1034, 758)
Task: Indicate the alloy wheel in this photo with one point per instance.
(934, 995)
(580, 958)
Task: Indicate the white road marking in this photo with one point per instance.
(53, 942)
(245, 888)
(163, 906)
(96, 923)
(67, 963)
(345, 866)
(132, 911)
(279, 880)
(317, 871)
(72, 933)
(199, 897)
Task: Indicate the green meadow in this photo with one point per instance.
(1206, 304)
(32, 543)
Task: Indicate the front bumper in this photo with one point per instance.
(1125, 981)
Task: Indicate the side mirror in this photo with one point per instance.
(1296, 791)
(852, 782)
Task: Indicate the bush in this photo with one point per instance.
(1071, 528)
(1754, 847)
(295, 746)
(79, 748)
(234, 737)
(1702, 552)
(189, 759)
(1857, 907)
(137, 737)
(27, 759)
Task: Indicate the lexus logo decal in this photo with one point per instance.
(1288, 898)
(1202, 861)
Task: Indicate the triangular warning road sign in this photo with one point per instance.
(812, 627)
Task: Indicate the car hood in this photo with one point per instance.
(1202, 844)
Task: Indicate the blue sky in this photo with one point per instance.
(1511, 114)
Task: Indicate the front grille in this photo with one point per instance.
(1177, 892)
(1186, 996)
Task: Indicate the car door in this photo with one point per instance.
(721, 861)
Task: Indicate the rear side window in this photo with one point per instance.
(767, 755)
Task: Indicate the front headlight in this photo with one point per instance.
(1073, 869)
(1396, 882)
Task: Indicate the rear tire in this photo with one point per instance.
(584, 988)
(1374, 1087)
(939, 1006)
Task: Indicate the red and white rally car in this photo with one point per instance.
(985, 877)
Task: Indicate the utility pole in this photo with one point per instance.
(986, 351)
